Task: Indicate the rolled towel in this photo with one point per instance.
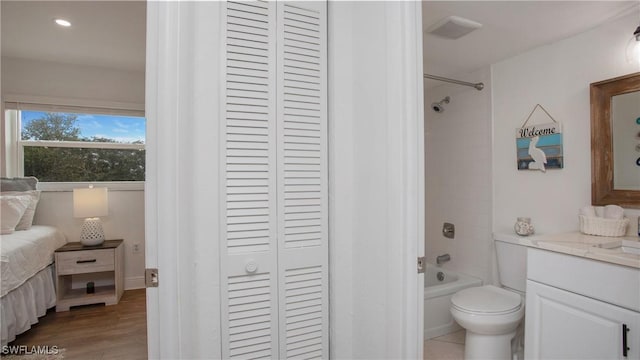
(613, 212)
(588, 211)
(599, 211)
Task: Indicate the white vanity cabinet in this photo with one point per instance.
(577, 308)
(564, 325)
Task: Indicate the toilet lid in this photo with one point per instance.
(487, 299)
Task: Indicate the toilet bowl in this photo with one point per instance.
(491, 316)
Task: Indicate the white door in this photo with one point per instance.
(571, 326)
(274, 251)
(249, 229)
(302, 178)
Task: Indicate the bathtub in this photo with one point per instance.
(437, 299)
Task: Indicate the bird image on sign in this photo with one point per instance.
(538, 156)
(539, 147)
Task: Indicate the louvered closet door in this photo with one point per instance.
(274, 243)
(302, 180)
(249, 245)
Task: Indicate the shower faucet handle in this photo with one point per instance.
(443, 259)
(448, 230)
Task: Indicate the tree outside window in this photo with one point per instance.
(69, 147)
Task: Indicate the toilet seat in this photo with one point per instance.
(486, 300)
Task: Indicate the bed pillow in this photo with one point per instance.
(27, 218)
(12, 209)
(18, 184)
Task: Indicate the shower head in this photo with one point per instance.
(438, 106)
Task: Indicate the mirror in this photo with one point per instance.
(615, 141)
(625, 130)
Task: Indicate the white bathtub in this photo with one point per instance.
(437, 299)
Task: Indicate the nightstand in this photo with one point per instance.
(74, 259)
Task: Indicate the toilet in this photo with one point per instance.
(491, 314)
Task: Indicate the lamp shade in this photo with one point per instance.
(90, 202)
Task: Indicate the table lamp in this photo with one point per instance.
(91, 203)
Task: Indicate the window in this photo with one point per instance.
(65, 144)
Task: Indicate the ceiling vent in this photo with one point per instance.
(453, 27)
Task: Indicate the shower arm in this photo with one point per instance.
(478, 86)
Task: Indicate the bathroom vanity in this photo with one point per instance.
(583, 297)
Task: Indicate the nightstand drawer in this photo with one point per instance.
(85, 261)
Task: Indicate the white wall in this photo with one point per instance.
(90, 85)
(184, 41)
(375, 130)
(50, 79)
(458, 175)
(556, 76)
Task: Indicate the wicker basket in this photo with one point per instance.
(603, 227)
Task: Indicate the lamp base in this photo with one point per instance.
(92, 233)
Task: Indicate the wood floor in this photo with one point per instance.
(95, 331)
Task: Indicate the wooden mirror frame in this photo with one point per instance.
(602, 191)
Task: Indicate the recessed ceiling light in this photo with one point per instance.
(63, 22)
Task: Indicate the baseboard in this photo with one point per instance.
(134, 282)
(441, 330)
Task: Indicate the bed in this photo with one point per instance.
(27, 287)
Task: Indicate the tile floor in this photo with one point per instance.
(450, 346)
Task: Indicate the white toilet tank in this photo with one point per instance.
(512, 264)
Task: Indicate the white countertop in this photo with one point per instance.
(577, 244)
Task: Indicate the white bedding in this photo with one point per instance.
(24, 253)
(22, 307)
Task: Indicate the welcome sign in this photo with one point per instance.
(539, 147)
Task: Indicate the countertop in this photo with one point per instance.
(577, 244)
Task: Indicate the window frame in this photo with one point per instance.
(14, 145)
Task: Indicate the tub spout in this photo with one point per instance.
(443, 259)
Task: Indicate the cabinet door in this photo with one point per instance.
(564, 325)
